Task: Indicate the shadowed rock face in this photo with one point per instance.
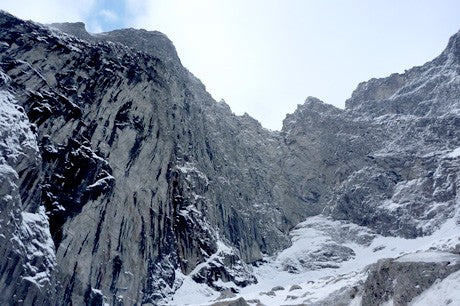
(401, 281)
(142, 174)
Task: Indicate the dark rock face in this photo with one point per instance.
(130, 173)
(401, 281)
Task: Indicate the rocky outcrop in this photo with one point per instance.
(403, 279)
(381, 162)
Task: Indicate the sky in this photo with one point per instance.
(264, 57)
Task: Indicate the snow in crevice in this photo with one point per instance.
(4, 78)
(222, 249)
(103, 182)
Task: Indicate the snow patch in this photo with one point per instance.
(319, 284)
(34, 240)
(16, 136)
(103, 182)
(430, 257)
(191, 292)
(445, 292)
(454, 154)
(190, 169)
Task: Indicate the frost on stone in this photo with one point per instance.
(16, 136)
(28, 233)
(400, 204)
(34, 241)
(191, 172)
(384, 167)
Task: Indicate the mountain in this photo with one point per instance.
(124, 182)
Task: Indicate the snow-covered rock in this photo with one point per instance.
(26, 248)
(124, 182)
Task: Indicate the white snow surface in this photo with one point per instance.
(455, 153)
(430, 257)
(317, 284)
(191, 292)
(15, 133)
(442, 292)
(35, 242)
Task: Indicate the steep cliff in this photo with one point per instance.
(142, 174)
(123, 181)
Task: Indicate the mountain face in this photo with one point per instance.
(123, 182)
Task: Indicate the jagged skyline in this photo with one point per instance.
(266, 57)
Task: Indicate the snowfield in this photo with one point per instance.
(328, 257)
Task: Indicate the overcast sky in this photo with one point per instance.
(266, 56)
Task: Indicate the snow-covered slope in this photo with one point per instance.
(329, 262)
(442, 292)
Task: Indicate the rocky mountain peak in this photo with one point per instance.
(151, 42)
(427, 90)
(77, 29)
(312, 111)
(453, 47)
(314, 104)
